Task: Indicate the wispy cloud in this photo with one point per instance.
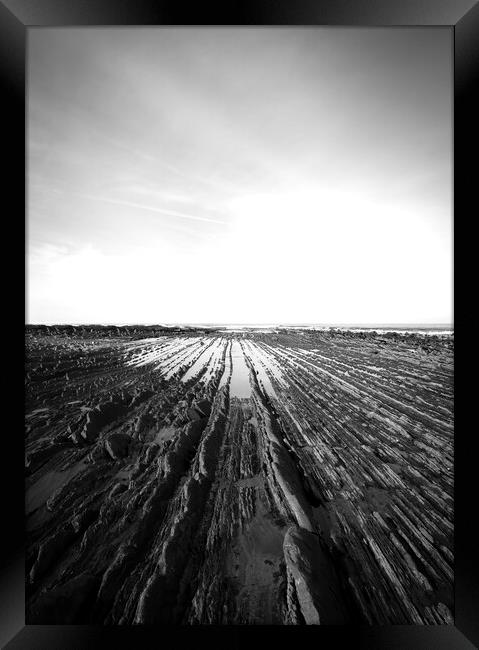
(150, 208)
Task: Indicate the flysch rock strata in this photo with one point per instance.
(301, 477)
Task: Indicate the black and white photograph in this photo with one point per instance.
(239, 335)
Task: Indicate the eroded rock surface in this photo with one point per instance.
(206, 477)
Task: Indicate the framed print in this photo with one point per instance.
(245, 413)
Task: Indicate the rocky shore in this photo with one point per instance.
(166, 482)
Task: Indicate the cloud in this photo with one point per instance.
(288, 167)
(149, 208)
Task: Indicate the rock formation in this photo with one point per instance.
(156, 492)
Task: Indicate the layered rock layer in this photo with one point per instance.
(286, 477)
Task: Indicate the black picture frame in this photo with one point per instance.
(462, 17)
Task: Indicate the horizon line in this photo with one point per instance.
(262, 324)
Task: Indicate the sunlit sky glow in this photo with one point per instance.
(239, 175)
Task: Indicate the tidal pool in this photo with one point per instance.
(239, 386)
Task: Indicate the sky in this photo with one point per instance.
(239, 175)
